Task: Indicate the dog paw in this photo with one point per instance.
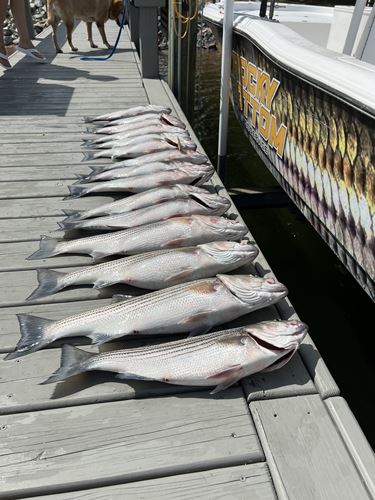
(74, 49)
(93, 46)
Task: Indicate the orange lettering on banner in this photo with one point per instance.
(264, 122)
(254, 106)
(277, 136)
(256, 93)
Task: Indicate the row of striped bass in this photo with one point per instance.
(126, 113)
(162, 156)
(217, 359)
(158, 128)
(197, 174)
(153, 270)
(98, 174)
(156, 145)
(136, 122)
(145, 136)
(193, 204)
(193, 307)
(139, 200)
(173, 233)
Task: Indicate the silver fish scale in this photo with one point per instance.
(121, 264)
(146, 198)
(190, 344)
(199, 365)
(143, 182)
(148, 312)
(149, 237)
(147, 214)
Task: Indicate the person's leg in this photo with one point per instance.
(3, 11)
(19, 13)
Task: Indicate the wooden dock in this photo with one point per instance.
(287, 434)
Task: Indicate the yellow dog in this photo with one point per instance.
(90, 11)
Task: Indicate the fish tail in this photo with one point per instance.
(47, 249)
(76, 191)
(69, 224)
(89, 119)
(73, 361)
(72, 214)
(49, 283)
(80, 177)
(88, 155)
(33, 335)
(92, 129)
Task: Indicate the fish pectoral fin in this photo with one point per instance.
(201, 316)
(180, 277)
(98, 338)
(120, 298)
(98, 255)
(132, 376)
(232, 375)
(172, 243)
(104, 284)
(200, 330)
(279, 363)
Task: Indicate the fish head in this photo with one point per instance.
(227, 229)
(276, 335)
(182, 142)
(188, 190)
(217, 204)
(200, 172)
(172, 121)
(226, 252)
(253, 290)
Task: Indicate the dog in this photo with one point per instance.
(98, 11)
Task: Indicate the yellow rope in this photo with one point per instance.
(183, 19)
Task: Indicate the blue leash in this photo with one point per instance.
(105, 58)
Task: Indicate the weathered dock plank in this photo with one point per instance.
(48, 207)
(305, 453)
(354, 439)
(43, 172)
(93, 445)
(13, 258)
(242, 482)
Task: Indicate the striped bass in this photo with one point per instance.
(139, 200)
(193, 307)
(196, 204)
(145, 136)
(172, 233)
(153, 270)
(158, 128)
(126, 113)
(98, 174)
(217, 359)
(136, 122)
(162, 156)
(146, 147)
(198, 174)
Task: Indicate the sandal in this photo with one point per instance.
(4, 61)
(33, 53)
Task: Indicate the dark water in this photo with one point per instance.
(339, 313)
